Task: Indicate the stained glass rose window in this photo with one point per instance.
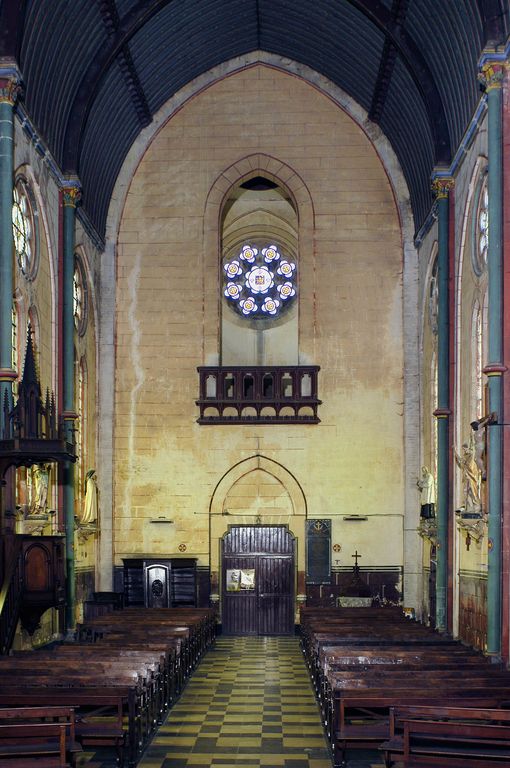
(259, 282)
(24, 228)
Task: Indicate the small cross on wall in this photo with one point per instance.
(356, 556)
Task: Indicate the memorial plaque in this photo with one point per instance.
(318, 551)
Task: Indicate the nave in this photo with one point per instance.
(249, 703)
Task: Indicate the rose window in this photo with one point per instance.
(259, 282)
(24, 229)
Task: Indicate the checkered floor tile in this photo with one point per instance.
(249, 703)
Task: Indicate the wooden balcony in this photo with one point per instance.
(261, 395)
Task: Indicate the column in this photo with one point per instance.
(441, 187)
(71, 196)
(492, 75)
(9, 90)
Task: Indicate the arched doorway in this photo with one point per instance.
(258, 578)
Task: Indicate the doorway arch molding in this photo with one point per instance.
(272, 467)
(219, 522)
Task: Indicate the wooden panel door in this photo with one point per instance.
(275, 595)
(258, 581)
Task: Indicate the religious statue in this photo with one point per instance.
(90, 501)
(40, 479)
(427, 487)
(471, 477)
(479, 437)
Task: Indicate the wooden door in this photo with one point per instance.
(258, 580)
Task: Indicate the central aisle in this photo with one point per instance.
(250, 703)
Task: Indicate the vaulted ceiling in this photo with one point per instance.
(96, 71)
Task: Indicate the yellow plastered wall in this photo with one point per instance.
(168, 322)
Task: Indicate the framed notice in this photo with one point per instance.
(318, 551)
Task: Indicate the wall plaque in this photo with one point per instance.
(318, 551)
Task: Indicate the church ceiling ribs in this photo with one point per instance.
(125, 61)
(417, 66)
(398, 12)
(132, 22)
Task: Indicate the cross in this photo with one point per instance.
(356, 556)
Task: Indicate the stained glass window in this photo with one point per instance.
(434, 297)
(481, 229)
(79, 297)
(24, 228)
(259, 282)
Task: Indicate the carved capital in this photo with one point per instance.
(441, 186)
(492, 75)
(10, 89)
(71, 196)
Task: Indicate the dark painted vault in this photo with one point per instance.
(96, 71)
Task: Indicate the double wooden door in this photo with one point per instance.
(258, 580)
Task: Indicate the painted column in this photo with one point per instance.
(441, 187)
(492, 77)
(71, 195)
(9, 89)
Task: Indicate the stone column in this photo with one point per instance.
(441, 187)
(71, 196)
(492, 75)
(9, 90)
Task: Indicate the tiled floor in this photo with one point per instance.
(250, 703)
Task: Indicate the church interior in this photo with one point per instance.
(254, 261)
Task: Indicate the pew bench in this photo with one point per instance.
(33, 744)
(452, 715)
(103, 716)
(361, 719)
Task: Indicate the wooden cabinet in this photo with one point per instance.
(164, 582)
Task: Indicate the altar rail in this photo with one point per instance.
(261, 394)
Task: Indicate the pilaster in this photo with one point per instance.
(442, 185)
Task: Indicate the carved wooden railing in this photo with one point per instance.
(11, 596)
(262, 394)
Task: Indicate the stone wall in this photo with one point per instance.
(350, 323)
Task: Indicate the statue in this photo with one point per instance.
(90, 500)
(40, 479)
(427, 487)
(479, 437)
(471, 477)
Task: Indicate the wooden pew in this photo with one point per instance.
(34, 744)
(48, 739)
(141, 658)
(394, 747)
(100, 713)
(360, 719)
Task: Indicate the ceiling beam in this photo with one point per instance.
(388, 58)
(125, 28)
(416, 64)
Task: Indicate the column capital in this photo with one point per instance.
(10, 89)
(71, 194)
(492, 74)
(441, 186)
